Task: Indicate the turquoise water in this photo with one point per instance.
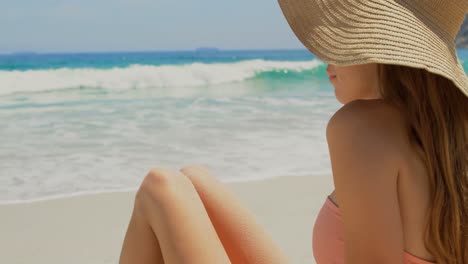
(79, 123)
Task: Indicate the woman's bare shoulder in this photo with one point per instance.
(375, 116)
(372, 123)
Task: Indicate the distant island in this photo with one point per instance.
(24, 53)
(207, 49)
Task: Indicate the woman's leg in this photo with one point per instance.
(140, 244)
(244, 240)
(170, 225)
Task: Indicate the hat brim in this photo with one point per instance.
(346, 33)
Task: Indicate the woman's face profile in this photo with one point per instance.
(354, 81)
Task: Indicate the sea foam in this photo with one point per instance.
(145, 76)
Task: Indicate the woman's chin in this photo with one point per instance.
(340, 98)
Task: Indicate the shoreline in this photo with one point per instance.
(90, 228)
(130, 189)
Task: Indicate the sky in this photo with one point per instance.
(142, 25)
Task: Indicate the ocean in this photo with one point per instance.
(82, 123)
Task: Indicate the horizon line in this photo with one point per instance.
(201, 49)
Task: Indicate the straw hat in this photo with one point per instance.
(415, 33)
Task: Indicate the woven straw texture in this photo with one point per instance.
(418, 34)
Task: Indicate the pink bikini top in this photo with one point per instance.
(327, 238)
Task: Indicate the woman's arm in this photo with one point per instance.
(365, 160)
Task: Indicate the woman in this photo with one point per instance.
(398, 149)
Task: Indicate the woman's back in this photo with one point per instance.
(413, 182)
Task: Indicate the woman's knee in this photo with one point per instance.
(157, 187)
(199, 175)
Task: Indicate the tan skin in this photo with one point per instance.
(381, 122)
(188, 216)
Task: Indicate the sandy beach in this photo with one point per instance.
(90, 229)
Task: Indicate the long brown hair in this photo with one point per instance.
(437, 115)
